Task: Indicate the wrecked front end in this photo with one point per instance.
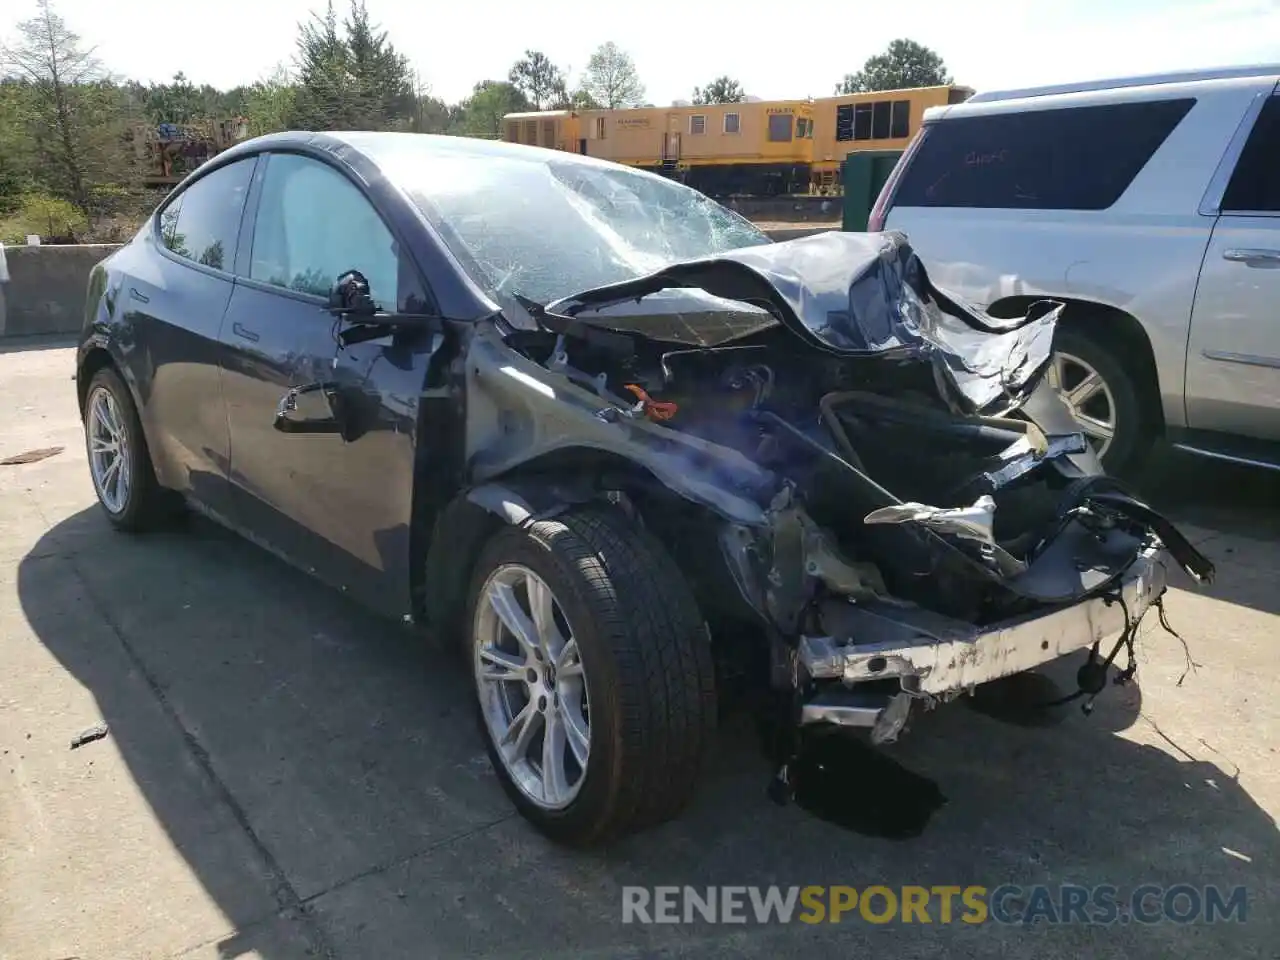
(872, 476)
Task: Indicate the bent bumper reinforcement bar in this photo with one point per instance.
(937, 662)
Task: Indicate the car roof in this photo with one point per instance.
(1146, 80)
(370, 143)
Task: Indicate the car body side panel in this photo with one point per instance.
(338, 505)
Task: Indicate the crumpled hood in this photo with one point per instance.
(861, 294)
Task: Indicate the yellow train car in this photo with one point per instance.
(554, 129)
(755, 148)
(722, 149)
(881, 120)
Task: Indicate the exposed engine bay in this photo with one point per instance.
(876, 472)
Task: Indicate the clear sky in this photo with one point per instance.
(775, 50)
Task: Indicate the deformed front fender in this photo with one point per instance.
(464, 526)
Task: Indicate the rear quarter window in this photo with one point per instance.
(1075, 158)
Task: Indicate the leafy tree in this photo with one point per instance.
(720, 90)
(481, 113)
(904, 64)
(540, 80)
(611, 78)
(269, 105)
(73, 115)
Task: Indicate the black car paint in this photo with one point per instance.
(208, 354)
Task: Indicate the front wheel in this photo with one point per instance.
(1104, 399)
(593, 675)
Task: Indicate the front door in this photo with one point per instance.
(336, 498)
(1233, 356)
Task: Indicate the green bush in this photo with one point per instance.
(43, 215)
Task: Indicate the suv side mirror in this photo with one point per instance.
(350, 296)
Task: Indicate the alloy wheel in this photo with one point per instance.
(532, 686)
(1088, 398)
(109, 453)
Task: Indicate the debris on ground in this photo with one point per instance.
(31, 456)
(96, 732)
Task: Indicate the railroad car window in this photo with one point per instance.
(1255, 185)
(1078, 158)
(203, 222)
(697, 123)
(900, 126)
(599, 128)
(862, 121)
(880, 116)
(844, 122)
(779, 127)
(531, 132)
(732, 123)
(548, 133)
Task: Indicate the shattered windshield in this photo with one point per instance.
(546, 229)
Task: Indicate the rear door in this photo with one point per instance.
(179, 284)
(1233, 360)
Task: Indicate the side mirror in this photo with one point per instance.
(350, 296)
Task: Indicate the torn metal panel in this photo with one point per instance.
(518, 411)
(849, 293)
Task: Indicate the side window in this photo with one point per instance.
(314, 225)
(1255, 185)
(1077, 158)
(780, 126)
(203, 222)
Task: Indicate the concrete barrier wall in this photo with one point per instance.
(46, 288)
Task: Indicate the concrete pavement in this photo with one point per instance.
(287, 776)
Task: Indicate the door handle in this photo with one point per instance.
(240, 330)
(133, 292)
(1254, 257)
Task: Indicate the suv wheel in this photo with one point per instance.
(593, 675)
(1104, 399)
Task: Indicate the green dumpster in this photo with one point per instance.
(863, 175)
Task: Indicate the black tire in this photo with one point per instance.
(146, 504)
(1137, 418)
(646, 653)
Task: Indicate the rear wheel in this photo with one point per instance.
(1104, 398)
(593, 675)
(119, 462)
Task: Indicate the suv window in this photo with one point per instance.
(1077, 158)
(202, 223)
(1255, 185)
(314, 225)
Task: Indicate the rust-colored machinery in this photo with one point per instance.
(167, 152)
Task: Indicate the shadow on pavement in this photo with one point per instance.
(36, 342)
(1237, 511)
(365, 814)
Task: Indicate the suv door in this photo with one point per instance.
(333, 494)
(1233, 357)
(179, 283)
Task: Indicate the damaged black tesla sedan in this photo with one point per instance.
(604, 437)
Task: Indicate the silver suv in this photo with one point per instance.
(1151, 206)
